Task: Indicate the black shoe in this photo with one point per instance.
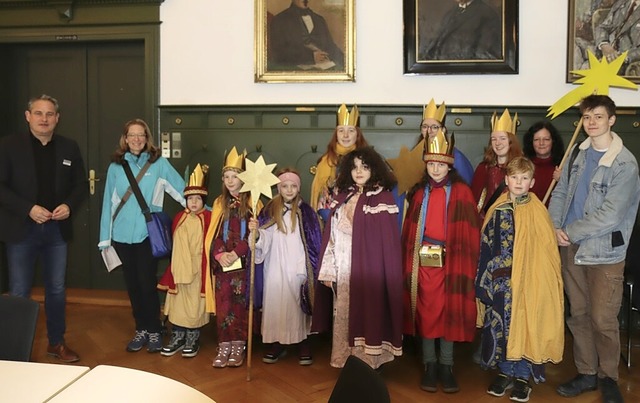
(500, 385)
(276, 351)
(610, 391)
(578, 385)
(448, 381)
(521, 391)
(429, 381)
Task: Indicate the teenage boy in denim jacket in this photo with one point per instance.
(593, 209)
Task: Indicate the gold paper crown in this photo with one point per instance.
(198, 181)
(234, 161)
(505, 123)
(348, 119)
(430, 111)
(439, 149)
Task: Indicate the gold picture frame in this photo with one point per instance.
(285, 51)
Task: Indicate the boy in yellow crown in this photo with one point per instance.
(520, 286)
(184, 279)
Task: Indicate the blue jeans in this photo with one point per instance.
(517, 369)
(43, 241)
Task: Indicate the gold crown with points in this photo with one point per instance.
(234, 161)
(439, 149)
(431, 111)
(346, 118)
(197, 184)
(505, 123)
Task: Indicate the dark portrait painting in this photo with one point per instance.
(304, 40)
(460, 36)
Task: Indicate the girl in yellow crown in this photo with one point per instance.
(346, 137)
(488, 178)
(226, 241)
(184, 278)
(440, 299)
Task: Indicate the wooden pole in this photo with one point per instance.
(252, 245)
(564, 158)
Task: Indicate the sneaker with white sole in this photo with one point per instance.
(192, 344)
(500, 385)
(175, 344)
(236, 357)
(521, 391)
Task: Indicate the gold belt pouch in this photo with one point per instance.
(432, 255)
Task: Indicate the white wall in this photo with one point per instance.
(207, 55)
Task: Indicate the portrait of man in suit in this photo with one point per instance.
(300, 38)
(467, 30)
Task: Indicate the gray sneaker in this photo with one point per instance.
(139, 340)
(154, 344)
(192, 344)
(175, 344)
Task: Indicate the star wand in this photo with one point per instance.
(257, 179)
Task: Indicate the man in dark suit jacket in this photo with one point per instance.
(301, 37)
(471, 30)
(42, 181)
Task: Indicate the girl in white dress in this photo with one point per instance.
(288, 243)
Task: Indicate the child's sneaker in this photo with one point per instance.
(276, 351)
(175, 344)
(500, 385)
(521, 391)
(154, 344)
(224, 349)
(236, 358)
(139, 340)
(192, 345)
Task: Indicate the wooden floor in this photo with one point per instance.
(99, 334)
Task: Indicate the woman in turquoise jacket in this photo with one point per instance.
(123, 226)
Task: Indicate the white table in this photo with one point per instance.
(27, 382)
(109, 384)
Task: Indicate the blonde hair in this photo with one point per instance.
(520, 165)
(275, 208)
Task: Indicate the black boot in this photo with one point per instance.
(429, 381)
(448, 381)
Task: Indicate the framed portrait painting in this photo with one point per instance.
(607, 28)
(304, 40)
(460, 36)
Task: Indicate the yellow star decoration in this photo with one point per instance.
(258, 179)
(408, 167)
(595, 80)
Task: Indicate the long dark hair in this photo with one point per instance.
(557, 145)
(381, 175)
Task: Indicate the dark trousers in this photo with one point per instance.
(139, 268)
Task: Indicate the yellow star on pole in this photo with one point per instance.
(258, 179)
(596, 80)
(408, 167)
